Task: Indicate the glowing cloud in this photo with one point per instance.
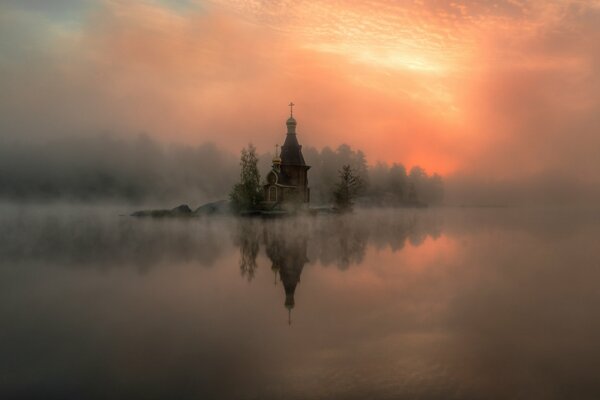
(484, 88)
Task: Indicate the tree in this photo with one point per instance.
(348, 187)
(247, 194)
(326, 164)
(432, 190)
(397, 180)
(378, 179)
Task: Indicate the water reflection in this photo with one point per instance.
(286, 248)
(247, 239)
(435, 304)
(339, 240)
(101, 239)
(84, 238)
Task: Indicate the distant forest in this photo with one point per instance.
(384, 184)
(142, 170)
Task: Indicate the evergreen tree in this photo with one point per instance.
(247, 194)
(348, 187)
(325, 169)
(397, 182)
(437, 189)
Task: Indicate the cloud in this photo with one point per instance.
(505, 90)
(537, 100)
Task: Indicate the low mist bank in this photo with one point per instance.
(142, 170)
(104, 168)
(96, 236)
(543, 189)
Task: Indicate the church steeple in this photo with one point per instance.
(291, 151)
(276, 158)
(290, 288)
(291, 122)
(291, 126)
(287, 182)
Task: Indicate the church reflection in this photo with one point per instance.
(285, 244)
(288, 257)
(342, 241)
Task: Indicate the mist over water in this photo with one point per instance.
(110, 107)
(439, 303)
(105, 168)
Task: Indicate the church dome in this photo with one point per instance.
(291, 121)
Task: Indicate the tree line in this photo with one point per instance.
(382, 184)
(342, 177)
(142, 170)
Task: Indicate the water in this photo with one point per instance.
(388, 304)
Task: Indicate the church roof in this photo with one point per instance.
(291, 151)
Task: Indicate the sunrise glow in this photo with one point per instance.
(451, 86)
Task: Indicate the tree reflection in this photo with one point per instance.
(340, 240)
(82, 238)
(247, 238)
(352, 244)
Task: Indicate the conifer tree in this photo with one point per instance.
(349, 186)
(247, 194)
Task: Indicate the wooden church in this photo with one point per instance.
(287, 181)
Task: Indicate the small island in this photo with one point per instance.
(285, 190)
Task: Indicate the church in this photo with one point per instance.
(287, 181)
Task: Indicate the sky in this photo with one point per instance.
(495, 89)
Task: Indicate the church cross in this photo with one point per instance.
(291, 105)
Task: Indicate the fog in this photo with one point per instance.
(431, 303)
(105, 237)
(489, 109)
(110, 168)
(544, 189)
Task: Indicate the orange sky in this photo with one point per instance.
(502, 88)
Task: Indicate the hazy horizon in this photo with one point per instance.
(141, 170)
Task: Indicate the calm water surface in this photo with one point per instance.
(392, 304)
